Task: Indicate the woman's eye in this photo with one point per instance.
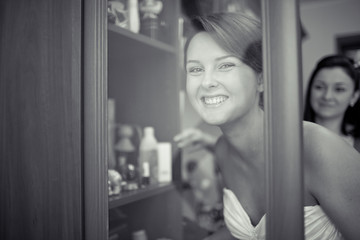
(195, 70)
(226, 66)
(318, 87)
(340, 90)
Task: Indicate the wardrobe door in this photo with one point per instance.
(281, 47)
(95, 171)
(40, 120)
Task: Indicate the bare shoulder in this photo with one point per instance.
(326, 153)
(320, 144)
(331, 168)
(316, 140)
(315, 133)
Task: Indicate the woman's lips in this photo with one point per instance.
(214, 100)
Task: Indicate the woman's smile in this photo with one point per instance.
(220, 86)
(327, 104)
(214, 101)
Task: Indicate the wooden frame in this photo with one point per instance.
(95, 120)
(282, 81)
(282, 77)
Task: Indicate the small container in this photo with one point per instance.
(145, 179)
(148, 153)
(132, 182)
(124, 146)
(150, 22)
(121, 167)
(118, 13)
(139, 235)
(134, 17)
(164, 162)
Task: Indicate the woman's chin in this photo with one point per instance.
(214, 120)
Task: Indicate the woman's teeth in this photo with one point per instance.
(214, 100)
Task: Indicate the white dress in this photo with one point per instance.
(317, 225)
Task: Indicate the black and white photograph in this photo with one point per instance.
(180, 119)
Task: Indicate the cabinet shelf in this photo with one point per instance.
(141, 38)
(113, 231)
(140, 194)
(144, 82)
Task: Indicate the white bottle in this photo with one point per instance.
(148, 153)
(134, 18)
(164, 162)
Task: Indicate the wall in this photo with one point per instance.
(324, 21)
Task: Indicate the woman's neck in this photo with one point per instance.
(333, 124)
(246, 135)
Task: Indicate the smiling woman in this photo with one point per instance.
(213, 84)
(224, 84)
(333, 97)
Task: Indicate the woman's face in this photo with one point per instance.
(331, 92)
(220, 87)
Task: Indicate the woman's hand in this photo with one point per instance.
(196, 138)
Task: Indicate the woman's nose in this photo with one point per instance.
(209, 80)
(328, 94)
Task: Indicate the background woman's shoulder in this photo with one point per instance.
(322, 147)
(315, 135)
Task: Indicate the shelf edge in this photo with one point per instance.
(141, 38)
(138, 195)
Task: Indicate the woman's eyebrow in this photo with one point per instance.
(216, 59)
(224, 57)
(192, 61)
(340, 84)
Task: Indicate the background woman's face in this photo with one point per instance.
(220, 87)
(331, 92)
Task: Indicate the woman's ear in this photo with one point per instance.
(355, 98)
(260, 80)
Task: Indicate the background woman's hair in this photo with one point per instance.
(351, 116)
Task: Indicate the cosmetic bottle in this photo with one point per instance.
(125, 148)
(134, 18)
(148, 153)
(145, 179)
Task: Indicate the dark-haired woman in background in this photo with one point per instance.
(332, 98)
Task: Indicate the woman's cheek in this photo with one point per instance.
(191, 87)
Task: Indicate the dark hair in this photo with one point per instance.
(351, 116)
